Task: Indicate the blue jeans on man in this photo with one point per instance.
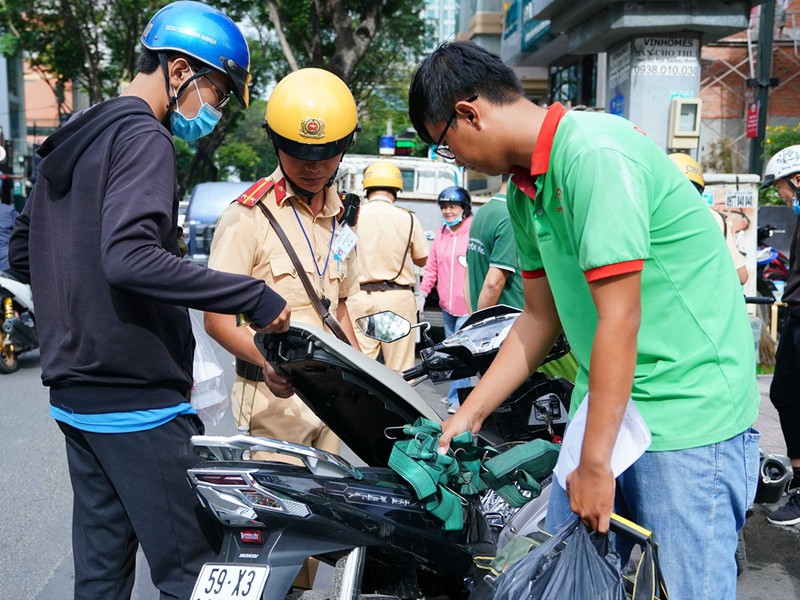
(694, 501)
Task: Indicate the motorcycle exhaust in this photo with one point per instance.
(22, 335)
(775, 473)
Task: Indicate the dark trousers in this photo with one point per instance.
(785, 389)
(131, 488)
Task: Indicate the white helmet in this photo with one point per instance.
(784, 163)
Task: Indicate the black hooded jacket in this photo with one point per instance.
(98, 240)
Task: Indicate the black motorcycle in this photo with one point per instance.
(364, 520)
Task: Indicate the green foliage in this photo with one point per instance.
(239, 159)
(8, 45)
(371, 44)
(91, 43)
(777, 138)
(247, 154)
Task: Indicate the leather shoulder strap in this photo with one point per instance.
(321, 309)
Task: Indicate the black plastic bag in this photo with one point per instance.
(585, 568)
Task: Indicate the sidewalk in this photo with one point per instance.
(767, 422)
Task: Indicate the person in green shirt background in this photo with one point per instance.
(617, 248)
(492, 256)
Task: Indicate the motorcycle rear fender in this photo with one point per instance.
(21, 292)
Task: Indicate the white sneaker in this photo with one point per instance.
(443, 399)
(451, 410)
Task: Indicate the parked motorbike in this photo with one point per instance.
(18, 327)
(364, 520)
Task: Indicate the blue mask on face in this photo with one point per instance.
(195, 128)
(454, 222)
(198, 126)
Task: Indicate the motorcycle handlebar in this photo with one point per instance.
(759, 300)
(414, 372)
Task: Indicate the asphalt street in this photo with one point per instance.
(35, 549)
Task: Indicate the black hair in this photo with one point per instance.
(455, 71)
(148, 61)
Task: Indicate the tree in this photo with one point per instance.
(89, 43)
(370, 44)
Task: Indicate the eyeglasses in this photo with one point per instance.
(442, 149)
(222, 97)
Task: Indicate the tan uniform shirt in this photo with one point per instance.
(245, 243)
(384, 232)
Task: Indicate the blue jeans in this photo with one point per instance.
(451, 324)
(694, 501)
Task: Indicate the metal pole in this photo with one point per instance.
(766, 24)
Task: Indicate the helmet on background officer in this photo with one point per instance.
(690, 168)
(456, 195)
(383, 175)
(205, 35)
(311, 115)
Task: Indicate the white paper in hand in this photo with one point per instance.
(633, 439)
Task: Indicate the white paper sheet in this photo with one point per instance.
(633, 439)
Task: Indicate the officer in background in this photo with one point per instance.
(390, 239)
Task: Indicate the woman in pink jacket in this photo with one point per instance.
(447, 267)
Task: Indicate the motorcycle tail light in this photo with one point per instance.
(261, 499)
(221, 479)
(234, 497)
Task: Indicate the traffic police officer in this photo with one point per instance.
(390, 240)
(311, 121)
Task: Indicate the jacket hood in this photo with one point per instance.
(62, 150)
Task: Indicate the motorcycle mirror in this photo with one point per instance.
(385, 326)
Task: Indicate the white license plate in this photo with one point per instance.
(220, 581)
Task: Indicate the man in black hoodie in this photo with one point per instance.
(98, 240)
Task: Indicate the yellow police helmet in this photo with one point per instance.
(691, 168)
(383, 174)
(311, 115)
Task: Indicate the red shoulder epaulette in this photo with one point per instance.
(255, 192)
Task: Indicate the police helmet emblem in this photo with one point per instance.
(312, 127)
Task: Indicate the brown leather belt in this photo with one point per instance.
(249, 370)
(383, 286)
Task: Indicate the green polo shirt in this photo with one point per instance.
(491, 244)
(602, 199)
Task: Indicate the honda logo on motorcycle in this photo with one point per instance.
(250, 536)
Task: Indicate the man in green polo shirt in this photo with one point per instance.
(493, 275)
(616, 247)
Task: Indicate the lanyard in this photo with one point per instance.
(311, 248)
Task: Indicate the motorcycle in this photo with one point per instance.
(771, 265)
(363, 520)
(18, 327)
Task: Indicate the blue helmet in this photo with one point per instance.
(455, 195)
(206, 34)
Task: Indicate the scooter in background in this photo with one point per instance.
(772, 265)
(18, 327)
